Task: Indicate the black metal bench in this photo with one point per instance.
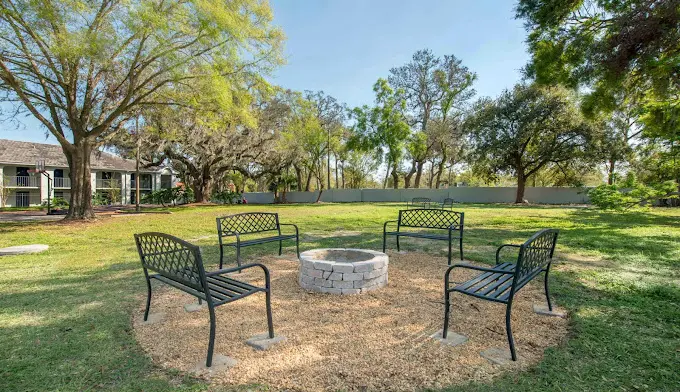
(428, 218)
(419, 202)
(179, 264)
(504, 280)
(251, 223)
(447, 203)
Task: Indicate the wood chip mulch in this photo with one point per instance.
(374, 341)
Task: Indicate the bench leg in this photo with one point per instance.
(547, 291)
(270, 322)
(148, 299)
(297, 246)
(238, 256)
(221, 256)
(280, 247)
(460, 245)
(384, 241)
(508, 329)
(211, 342)
(447, 309)
(398, 246)
(449, 255)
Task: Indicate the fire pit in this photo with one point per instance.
(343, 271)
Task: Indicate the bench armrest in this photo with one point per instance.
(241, 268)
(385, 225)
(472, 267)
(297, 232)
(498, 251)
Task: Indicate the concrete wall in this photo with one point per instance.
(459, 194)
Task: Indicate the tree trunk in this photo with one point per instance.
(202, 189)
(521, 184)
(387, 174)
(78, 157)
(419, 174)
(440, 170)
(298, 175)
(395, 176)
(610, 171)
(407, 177)
(309, 181)
(336, 172)
(342, 170)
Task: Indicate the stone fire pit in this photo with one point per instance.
(343, 271)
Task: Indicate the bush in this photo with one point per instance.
(168, 196)
(227, 197)
(57, 203)
(611, 197)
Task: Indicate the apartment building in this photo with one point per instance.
(113, 178)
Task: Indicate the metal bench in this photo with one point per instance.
(238, 225)
(419, 202)
(447, 203)
(180, 265)
(504, 280)
(428, 218)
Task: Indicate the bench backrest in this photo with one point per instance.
(247, 223)
(171, 258)
(431, 218)
(448, 202)
(421, 200)
(535, 255)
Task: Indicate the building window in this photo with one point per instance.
(22, 171)
(107, 175)
(23, 199)
(166, 181)
(58, 173)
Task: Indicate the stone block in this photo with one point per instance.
(343, 267)
(452, 339)
(321, 282)
(374, 274)
(335, 276)
(379, 263)
(364, 266)
(195, 307)
(497, 356)
(331, 290)
(350, 291)
(220, 363)
(263, 342)
(315, 273)
(353, 276)
(307, 279)
(23, 249)
(343, 284)
(327, 274)
(544, 311)
(154, 318)
(323, 265)
(306, 264)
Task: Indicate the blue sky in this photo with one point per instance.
(344, 46)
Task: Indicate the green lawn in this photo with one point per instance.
(65, 315)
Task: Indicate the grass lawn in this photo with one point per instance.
(65, 315)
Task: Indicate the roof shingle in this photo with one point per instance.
(27, 153)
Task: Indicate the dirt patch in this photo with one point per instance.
(378, 341)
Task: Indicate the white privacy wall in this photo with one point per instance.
(552, 195)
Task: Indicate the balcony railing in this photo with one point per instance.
(142, 185)
(22, 181)
(62, 182)
(108, 184)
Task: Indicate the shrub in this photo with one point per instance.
(226, 197)
(611, 197)
(57, 203)
(168, 196)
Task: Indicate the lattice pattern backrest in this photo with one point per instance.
(448, 202)
(536, 253)
(249, 222)
(171, 257)
(430, 218)
(421, 200)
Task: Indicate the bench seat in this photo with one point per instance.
(257, 241)
(430, 236)
(494, 286)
